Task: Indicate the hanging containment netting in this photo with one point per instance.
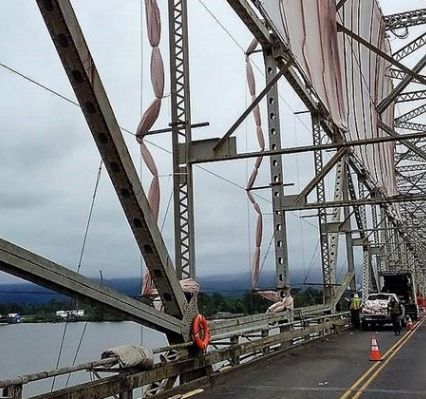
(149, 117)
(349, 79)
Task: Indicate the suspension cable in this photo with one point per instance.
(147, 141)
(89, 217)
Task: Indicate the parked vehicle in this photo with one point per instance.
(403, 285)
(375, 310)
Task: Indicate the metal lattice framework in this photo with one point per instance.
(405, 19)
(181, 131)
(396, 235)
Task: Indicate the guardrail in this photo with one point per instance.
(249, 340)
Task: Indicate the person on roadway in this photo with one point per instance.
(355, 308)
(395, 311)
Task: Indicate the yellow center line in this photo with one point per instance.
(374, 370)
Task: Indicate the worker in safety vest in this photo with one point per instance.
(395, 311)
(355, 308)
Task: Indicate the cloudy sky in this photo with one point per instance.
(49, 161)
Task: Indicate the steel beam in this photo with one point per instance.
(411, 96)
(376, 238)
(321, 175)
(418, 127)
(333, 238)
(203, 152)
(412, 114)
(347, 221)
(340, 4)
(270, 83)
(29, 266)
(183, 192)
(406, 142)
(71, 45)
(246, 13)
(394, 94)
(408, 49)
(387, 57)
(405, 19)
(397, 74)
(304, 90)
(364, 201)
(385, 240)
(328, 278)
(276, 171)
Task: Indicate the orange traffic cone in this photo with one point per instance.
(375, 355)
(410, 325)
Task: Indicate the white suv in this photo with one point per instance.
(375, 309)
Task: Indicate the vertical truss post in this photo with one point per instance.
(407, 253)
(347, 218)
(181, 139)
(385, 243)
(367, 268)
(394, 258)
(366, 277)
(276, 169)
(401, 251)
(369, 275)
(328, 273)
(376, 237)
(333, 238)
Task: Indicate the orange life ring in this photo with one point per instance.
(200, 332)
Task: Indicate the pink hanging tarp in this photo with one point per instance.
(150, 116)
(251, 82)
(349, 79)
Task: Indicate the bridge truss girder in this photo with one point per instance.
(397, 247)
(70, 43)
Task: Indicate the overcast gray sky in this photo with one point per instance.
(49, 161)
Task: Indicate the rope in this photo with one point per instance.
(222, 26)
(148, 141)
(10, 69)
(167, 210)
(89, 217)
(83, 246)
(314, 255)
(267, 252)
(59, 354)
(77, 351)
(254, 63)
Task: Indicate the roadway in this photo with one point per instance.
(334, 367)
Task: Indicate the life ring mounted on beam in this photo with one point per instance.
(200, 332)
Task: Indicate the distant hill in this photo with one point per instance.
(28, 293)
(226, 284)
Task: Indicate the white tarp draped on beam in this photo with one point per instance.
(348, 78)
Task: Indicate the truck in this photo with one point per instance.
(395, 285)
(375, 309)
(403, 285)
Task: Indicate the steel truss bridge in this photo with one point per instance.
(390, 230)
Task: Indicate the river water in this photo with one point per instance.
(29, 348)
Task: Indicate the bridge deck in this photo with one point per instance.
(329, 369)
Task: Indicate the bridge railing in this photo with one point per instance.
(228, 350)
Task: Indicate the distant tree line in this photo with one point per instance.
(47, 312)
(250, 302)
(209, 304)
